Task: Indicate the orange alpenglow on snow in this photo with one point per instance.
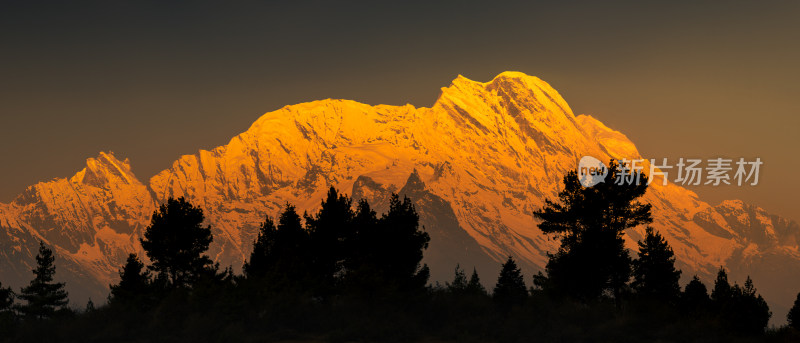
(476, 163)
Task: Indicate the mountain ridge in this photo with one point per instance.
(479, 160)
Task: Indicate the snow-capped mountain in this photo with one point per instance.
(477, 164)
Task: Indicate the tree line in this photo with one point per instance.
(346, 273)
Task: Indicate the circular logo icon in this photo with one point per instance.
(591, 171)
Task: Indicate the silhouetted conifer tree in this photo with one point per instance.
(133, 288)
(510, 288)
(331, 234)
(6, 311)
(6, 298)
(293, 256)
(282, 254)
(459, 284)
(722, 292)
(176, 242)
(740, 307)
(400, 245)
(6, 306)
(89, 306)
(263, 257)
(43, 297)
(385, 253)
(590, 221)
(474, 285)
(748, 312)
(655, 276)
(695, 297)
(363, 271)
(794, 314)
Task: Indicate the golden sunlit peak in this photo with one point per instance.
(506, 75)
(99, 170)
(514, 75)
(108, 158)
(518, 90)
(507, 79)
(517, 77)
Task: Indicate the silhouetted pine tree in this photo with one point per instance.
(43, 297)
(748, 312)
(89, 306)
(362, 267)
(293, 240)
(740, 307)
(7, 317)
(133, 288)
(590, 221)
(285, 255)
(400, 245)
(6, 298)
(510, 288)
(722, 292)
(794, 314)
(331, 234)
(695, 298)
(654, 273)
(459, 284)
(365, 228)
(262, 258)
(474, 285)
(176, 242)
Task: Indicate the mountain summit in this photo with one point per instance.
(476, 164)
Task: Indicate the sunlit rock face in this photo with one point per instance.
(477, 164)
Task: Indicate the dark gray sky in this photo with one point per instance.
(151, 81)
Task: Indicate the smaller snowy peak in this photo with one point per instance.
(105, 169)
(737, 212)
(743, 213)
(757, 225)
(733, 204)
(462, 81)
(615, 143)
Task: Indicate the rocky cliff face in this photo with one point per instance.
(92, 220)
(476, 163)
